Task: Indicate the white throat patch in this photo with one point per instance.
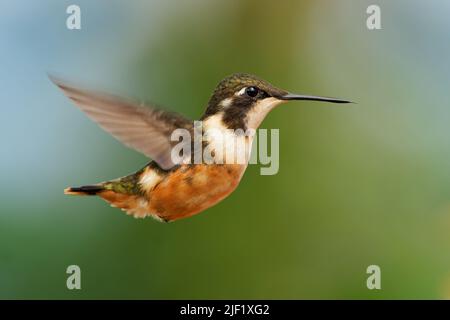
(260, 110)
(236, 147)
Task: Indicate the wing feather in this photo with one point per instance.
(143, 128)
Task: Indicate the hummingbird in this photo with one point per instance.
(164, 189)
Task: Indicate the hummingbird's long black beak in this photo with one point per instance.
(293, 96)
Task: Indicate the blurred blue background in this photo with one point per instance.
(359, 185)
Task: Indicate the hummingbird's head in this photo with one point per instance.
(242, 101)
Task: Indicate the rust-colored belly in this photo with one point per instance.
(192, 189)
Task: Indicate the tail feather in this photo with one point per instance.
(84, 190)
(123, 193)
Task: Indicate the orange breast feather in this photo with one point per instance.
(192, 189)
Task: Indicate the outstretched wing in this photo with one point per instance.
(143, 128)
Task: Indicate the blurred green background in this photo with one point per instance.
(358, 185)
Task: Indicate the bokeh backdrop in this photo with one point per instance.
(358, 185)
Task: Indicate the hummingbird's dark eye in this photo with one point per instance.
(252, 91)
